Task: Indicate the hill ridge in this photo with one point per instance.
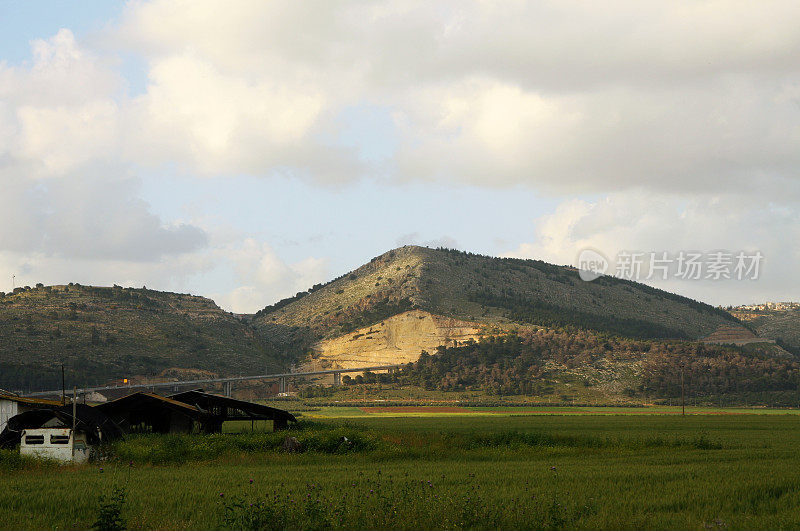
(104, 334)
(495, 291)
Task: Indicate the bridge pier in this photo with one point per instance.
(282, 384)
(228, 386)
(337, 378)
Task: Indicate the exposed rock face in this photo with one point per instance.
(732, 335)
(398, 339)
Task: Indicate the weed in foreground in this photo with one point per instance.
(109, 516)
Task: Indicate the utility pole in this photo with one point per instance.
(74, 417)
(63, 388)
(683, 400)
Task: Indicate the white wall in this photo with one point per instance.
(8, 409)
(48, 448)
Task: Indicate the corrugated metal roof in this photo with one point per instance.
(144, 398)
(251, 409)
(32, 401)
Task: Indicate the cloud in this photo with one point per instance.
(59, 112)
(568, 97)
(263, 277)
(414, 238)
(88, 218)
(680, 117)
(214, 122)
(66, 194)
(641, 223)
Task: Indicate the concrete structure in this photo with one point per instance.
(60, 444)
(231, 380)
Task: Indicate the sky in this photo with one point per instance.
(246, 150)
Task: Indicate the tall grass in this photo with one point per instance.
(533, 472)
(317, 438)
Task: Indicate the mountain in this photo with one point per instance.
(456, 296)
(387, 311)
(110, 333)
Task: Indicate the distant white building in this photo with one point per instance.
(770, 306)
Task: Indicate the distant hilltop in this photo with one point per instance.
(768, 306)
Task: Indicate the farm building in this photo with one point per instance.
(147, 412)
(11, 405)
(61, 444)
(224, 408)
(46, 428)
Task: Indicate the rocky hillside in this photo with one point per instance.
(782, 325)
(105, 334)
(398, 339)
(387, 311)
(583, 367)
(485, 293)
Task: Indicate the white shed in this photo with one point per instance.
(61, 444)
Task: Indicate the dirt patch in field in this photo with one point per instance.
(413, 409)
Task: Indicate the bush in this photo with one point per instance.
(109, 516)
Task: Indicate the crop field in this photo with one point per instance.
(480, 469)
(352, 412)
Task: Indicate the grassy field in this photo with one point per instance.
(480, 469)
(351, 412)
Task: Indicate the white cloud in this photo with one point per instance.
(66, 195)
(173, 273)
(263, 277)
(567, 96)
(215, 123)
(59, 112)
(415, 238)
(640, 222)
(681, 115)
(88, 218)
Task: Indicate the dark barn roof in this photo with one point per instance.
(230, 408)
(29, 401)
(153, 412)
(143, 402)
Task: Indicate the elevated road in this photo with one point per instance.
(227, 382)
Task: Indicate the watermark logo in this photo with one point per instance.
(662, 265)
(591, 264)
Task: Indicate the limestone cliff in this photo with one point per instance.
(397, 339)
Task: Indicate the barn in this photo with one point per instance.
(12, 405)
(48, 428)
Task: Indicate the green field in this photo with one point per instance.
(479, 469)
(352, 412)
